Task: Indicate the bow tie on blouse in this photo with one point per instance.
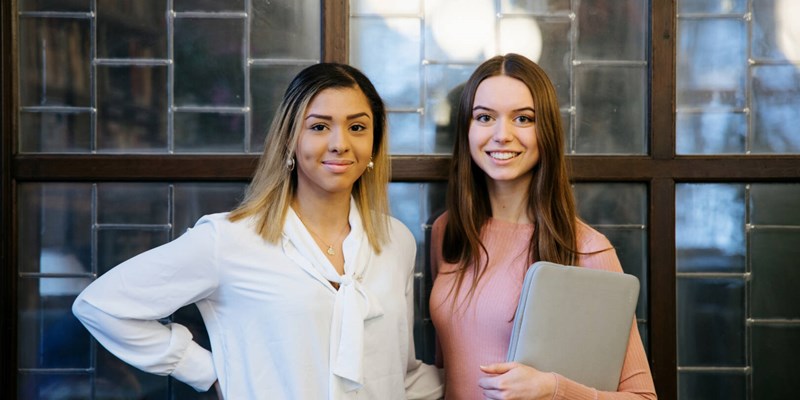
(353, 303)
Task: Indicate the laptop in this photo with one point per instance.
(575, 321)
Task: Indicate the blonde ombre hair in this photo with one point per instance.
(272, 190)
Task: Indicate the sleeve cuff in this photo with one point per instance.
(196, 368)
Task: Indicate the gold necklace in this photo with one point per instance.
(331, 252)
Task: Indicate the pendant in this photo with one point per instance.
(330, 251)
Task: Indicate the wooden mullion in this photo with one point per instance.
(661, 283)
(662, 80)
(335, 32)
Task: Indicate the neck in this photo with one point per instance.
(509, 200)
(326, 215)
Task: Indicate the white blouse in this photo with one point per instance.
(278, 328)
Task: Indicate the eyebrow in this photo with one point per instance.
(329, 118)
(476, 108)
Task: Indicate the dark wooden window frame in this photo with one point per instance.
(661, 170)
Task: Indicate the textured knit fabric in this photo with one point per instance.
(270, 312)
(477, 332)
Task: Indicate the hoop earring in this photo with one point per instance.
(290, 163)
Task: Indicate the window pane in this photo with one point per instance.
(712, 385)
(711, 133)
(776, 99)
(443, 84)
(538, 5)
(612, 203)
(612, 30)
(267, 85)
(115, 245)
(209, 5)
(711, 322)
(774, 255)
(373, 41)
(775, 32)
(709, 227)
(202, 132)
(775, 355)
(609, 118)
(54, 62)
(384, 7)
(193, 200)
(131, 29)
(711, 63)
(52, 132)
(132, 109)
(133, 203)
(56, 386)
(404, 133)
(286, 29)
(209, 62)
(54, 5)
(775, 204)
(459, 30)
(712, 6)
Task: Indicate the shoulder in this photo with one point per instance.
(220, 225)
(589, 239)
(400, 237)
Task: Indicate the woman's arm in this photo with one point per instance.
(121, 308)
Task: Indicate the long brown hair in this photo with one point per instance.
(551, 205)
(273, 187)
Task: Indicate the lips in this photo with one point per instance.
(503, 155)
(338, 166)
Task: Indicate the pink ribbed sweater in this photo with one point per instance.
(478, 333)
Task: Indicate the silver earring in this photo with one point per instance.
(370, 165)
(290, 163)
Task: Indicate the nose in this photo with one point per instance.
(338, 140)
(502, 131)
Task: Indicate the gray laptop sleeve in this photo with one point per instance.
(574, 321)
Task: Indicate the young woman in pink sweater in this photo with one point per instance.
(509, 204)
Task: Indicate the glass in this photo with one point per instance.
(608, 117)
(443, 87)
(630, 244)
(119, 244)
(193, 200)
(776, 99)
(49, 336)
(526, 35)
(535, 6)
(387, 51)
(133, 203)
(131, 29)
(404, 131)
(209, 132)
(612, 30)
(712, 385)
(417, 205)
(55, 230)
(711, 322)
(57, 386)
(54, 62)
(775, 33)
(711, 133)
(711, 63)
(292, 30)
(774, 204)
(612, 203)
(709, 227)
(132, 109)
(384, 8)
(55, 5)
(459, 30)
(209, 64)
(54, 132)
(125, 381)
(773, 256)
(209, 5)
(267, 85)
(712, 6)
(775, 355)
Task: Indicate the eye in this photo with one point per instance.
(483, 118)
(318, 127)
(358, 128)
(525, 119)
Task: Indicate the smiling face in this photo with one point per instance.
(502, 131)
(335, 142)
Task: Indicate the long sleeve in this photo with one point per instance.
(122, 307)
(636, 381)
(423, 381)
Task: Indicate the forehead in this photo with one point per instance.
(336, 101)
(503, 91)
